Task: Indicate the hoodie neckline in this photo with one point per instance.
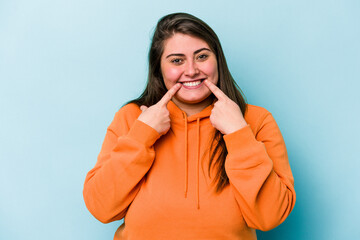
(178, 114)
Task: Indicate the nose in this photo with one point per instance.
(191, 69)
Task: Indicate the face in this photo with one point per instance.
(189, 61)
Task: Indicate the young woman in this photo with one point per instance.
(189, 159)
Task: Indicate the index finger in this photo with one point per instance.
(215, 90)
(169, 94)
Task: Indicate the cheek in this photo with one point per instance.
(211, 70)
(171, 76)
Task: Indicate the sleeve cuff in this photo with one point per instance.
(239, 139)
(143, 133)
(245, 151)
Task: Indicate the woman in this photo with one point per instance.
(189, 159)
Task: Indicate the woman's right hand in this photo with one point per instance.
(157, 116)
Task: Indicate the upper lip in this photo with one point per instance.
(193, 80)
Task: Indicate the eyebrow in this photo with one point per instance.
(180, 54)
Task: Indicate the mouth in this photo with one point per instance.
(192, 84)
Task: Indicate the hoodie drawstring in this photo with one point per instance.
(186, 156)
(198, 162)
(197, 158)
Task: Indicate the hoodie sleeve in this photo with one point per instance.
(259, 173)
(126, 155)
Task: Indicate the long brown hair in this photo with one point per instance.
(190, 25)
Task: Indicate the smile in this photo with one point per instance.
(192, 84)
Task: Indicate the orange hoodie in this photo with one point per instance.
(162, 187)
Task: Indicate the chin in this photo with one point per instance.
(192, 99)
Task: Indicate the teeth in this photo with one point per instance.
(191, 84)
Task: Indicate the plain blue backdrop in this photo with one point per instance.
(67, 66)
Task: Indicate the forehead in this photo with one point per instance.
(182, 43)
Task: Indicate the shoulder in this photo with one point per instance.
(129, 109)
(255, 113)
(255, 116)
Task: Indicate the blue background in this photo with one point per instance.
(67, 66)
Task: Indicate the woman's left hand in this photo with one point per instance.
(226, 116)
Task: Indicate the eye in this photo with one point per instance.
(203, 56)
(177, 61)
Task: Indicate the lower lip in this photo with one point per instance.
(193, 87)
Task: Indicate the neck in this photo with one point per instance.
(194, 108)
